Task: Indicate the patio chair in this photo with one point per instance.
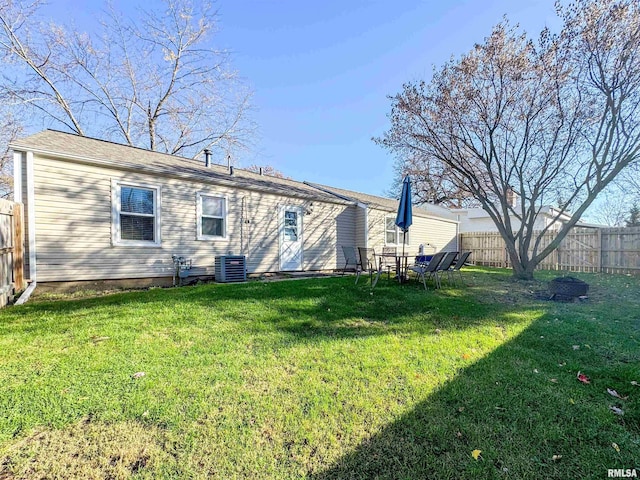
(370, 264)
(445, 265)
(456, 267)
(351, 258)
(424, 270)
(388, 262)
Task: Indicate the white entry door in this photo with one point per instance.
(291, 239)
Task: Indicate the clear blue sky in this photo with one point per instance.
(321, 71)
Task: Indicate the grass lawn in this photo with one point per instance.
(323, 379)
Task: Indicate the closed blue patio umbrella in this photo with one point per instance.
(404, 218)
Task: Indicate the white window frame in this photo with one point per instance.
(225, 216)
(116, 208)
(397, 233)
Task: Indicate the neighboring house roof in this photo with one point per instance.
(388, 204)
(548, 212)
(108, 154)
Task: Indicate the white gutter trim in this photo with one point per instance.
(17, 177)
(31, 212)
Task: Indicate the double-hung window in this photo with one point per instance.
(136, 214)
(393, 234)
(212, 216)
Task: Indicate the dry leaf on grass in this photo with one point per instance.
(613, 393)
(476, 453)
(615, 447)
(616, 410)
(634, 383)
(99, 339)
(583, 378)
(138, 375)
(555, 458)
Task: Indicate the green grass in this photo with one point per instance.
(323, 379)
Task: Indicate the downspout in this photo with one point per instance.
(31, 222)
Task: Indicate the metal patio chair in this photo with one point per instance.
(370, 263)
(445, 265)
(351, 258)
(388, 262)
(424, 270)
(456, 267)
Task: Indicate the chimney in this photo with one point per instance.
(207, 157)
(512, 197)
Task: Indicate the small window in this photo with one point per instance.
(212, 216)
(393, 235)
(290, 226)
(136, 218)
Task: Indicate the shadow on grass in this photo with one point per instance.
(523, 408)
(307, 309)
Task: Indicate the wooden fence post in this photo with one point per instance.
(599, 250)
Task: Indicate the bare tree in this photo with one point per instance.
(432, 182)
(10, 129)
(153, 82)
(611, 209)
(555, 118)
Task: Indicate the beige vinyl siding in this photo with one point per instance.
(346, 226)
(361, 226)
(74, 221)
(440, 233)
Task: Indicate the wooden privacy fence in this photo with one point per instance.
(608, 250)
(11, 250)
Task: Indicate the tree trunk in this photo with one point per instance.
(522, 267)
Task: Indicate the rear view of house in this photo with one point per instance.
(99, 211)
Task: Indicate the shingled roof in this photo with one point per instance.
(109, 154)
(387, 204)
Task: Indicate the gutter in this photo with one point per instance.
(31, 217)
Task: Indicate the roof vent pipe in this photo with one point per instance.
(207, 157)
(261, 172)
(230, 170)
(229, 163)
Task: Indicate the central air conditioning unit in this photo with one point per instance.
(231, 268)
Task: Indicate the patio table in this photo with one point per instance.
(401, 261)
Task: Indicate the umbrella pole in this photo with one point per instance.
(404, 242)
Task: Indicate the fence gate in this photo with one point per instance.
(11, 250)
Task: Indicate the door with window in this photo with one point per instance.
(291, 239)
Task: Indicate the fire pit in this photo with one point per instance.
(567, 288)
